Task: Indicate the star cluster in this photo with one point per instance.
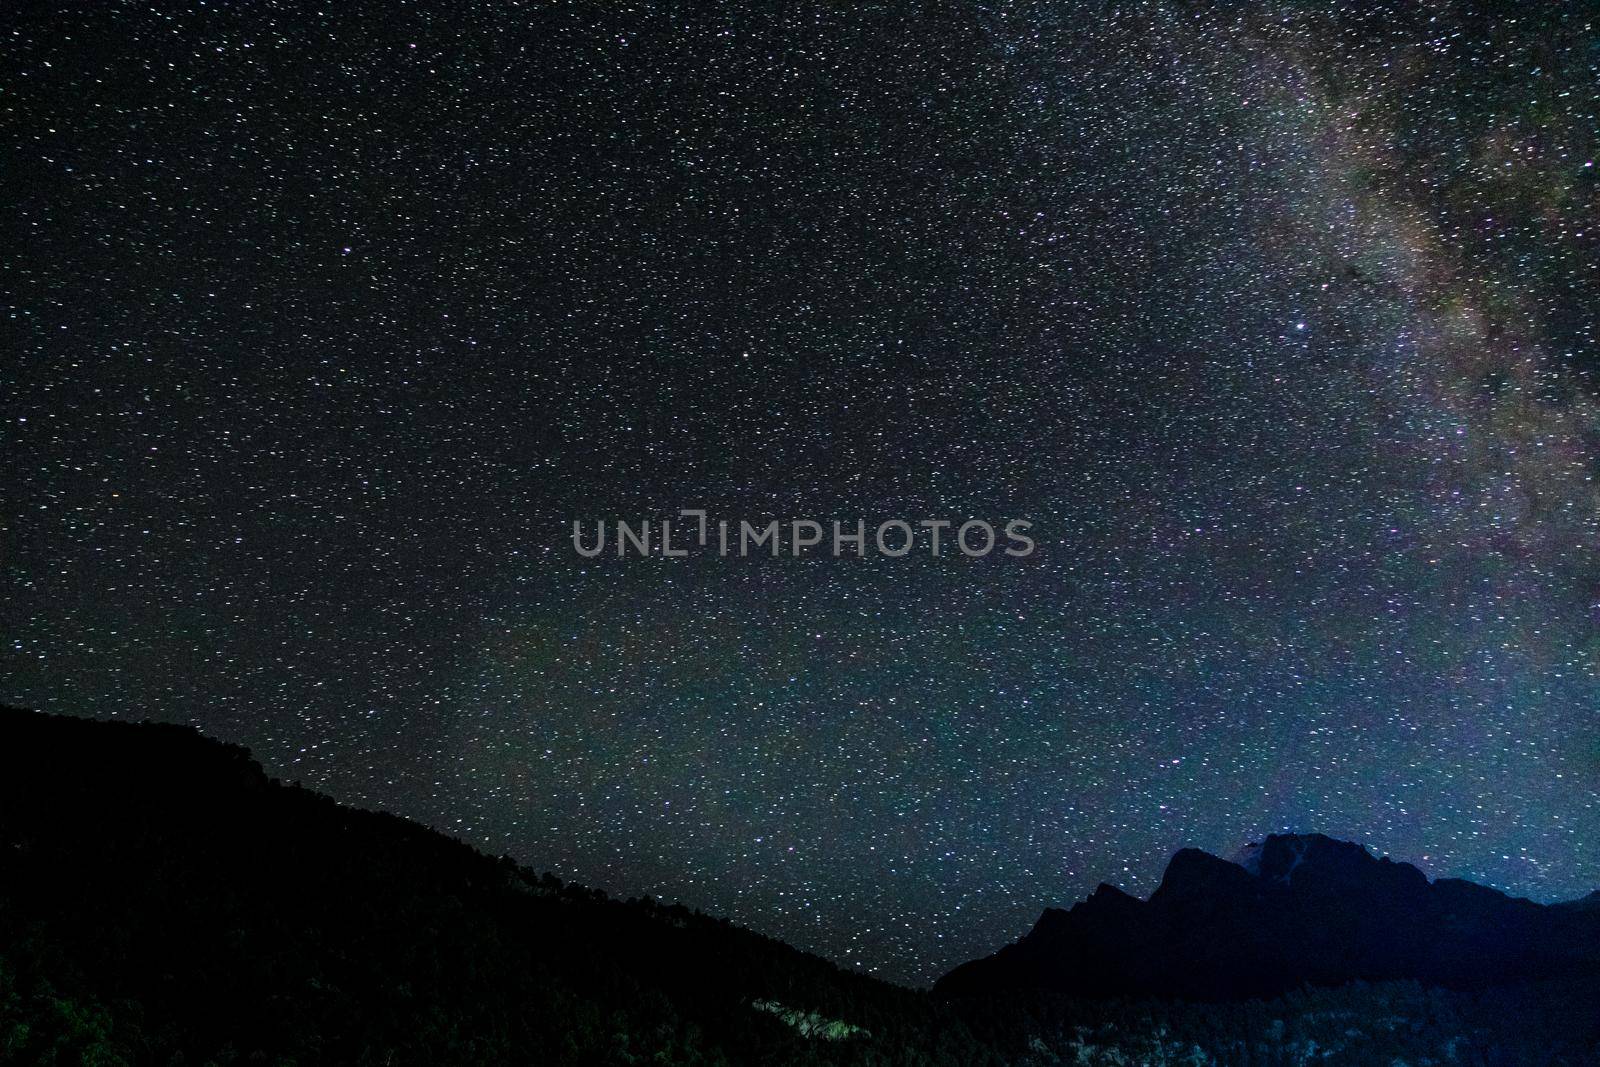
(1278, 320)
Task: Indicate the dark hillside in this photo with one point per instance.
(160, 897)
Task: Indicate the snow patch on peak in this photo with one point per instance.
(1298, 847)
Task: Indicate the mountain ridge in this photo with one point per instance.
(164, 900)
(1288, 911)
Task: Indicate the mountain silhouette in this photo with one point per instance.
(163, 900)
(1291, 911)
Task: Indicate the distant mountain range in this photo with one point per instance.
(162, 900)
(1290, 911)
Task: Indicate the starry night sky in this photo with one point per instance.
(1281, 322)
